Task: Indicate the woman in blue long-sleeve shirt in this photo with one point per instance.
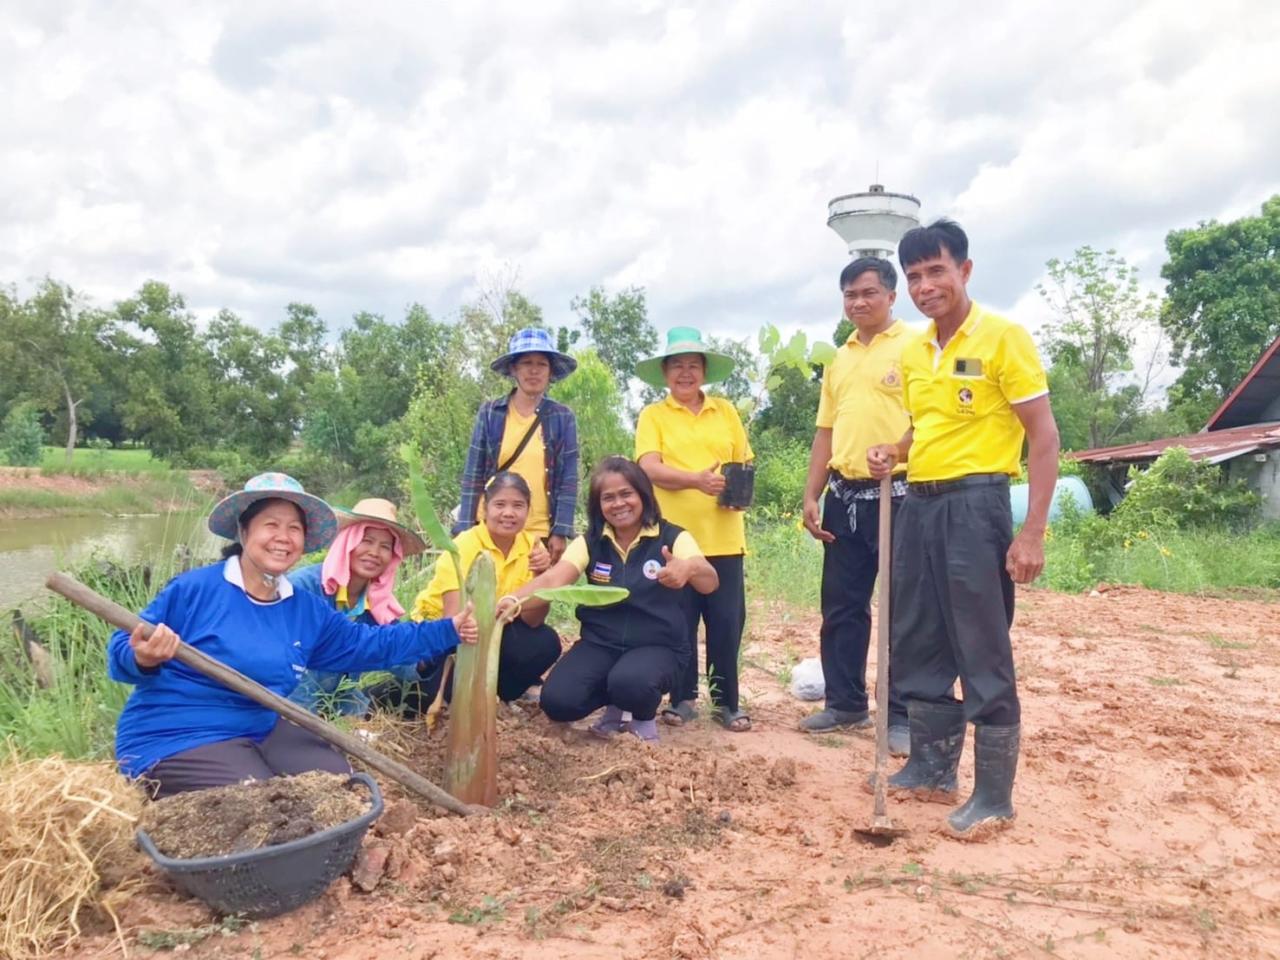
(185, 731)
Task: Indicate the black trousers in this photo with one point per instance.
(591, 676)
(288, 749)
(724, 613)
(850, 564)
(526, 654)
(953, 600)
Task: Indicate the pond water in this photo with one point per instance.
(31, 549)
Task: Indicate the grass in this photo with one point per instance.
(1184, 561)
(76, 717)
(783, 563)
(133, 493)
(94, 461)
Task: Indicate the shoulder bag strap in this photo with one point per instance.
(524, 442)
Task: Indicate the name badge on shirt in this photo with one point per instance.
(601, 573)
(967, 367)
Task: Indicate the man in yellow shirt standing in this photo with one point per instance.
(974, 388)
(860, 405)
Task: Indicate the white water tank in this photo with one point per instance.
(872, 222)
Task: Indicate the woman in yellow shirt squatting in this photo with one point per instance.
(682, 442)
(529, 646)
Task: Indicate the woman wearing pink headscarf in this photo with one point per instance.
(358, 577)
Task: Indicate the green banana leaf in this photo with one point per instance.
(585, 596)
(426, 512)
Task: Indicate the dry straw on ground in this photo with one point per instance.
(66, 849)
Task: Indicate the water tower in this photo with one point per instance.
(873, 222)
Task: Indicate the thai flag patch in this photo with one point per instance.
(601, 572)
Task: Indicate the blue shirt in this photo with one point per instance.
(316, 688)
(174, 708)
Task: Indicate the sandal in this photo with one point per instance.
(644, 730)
(678, 714)
(609, 725)
(735, 721)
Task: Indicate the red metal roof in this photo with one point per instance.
(1246, 403)
(1215, 446)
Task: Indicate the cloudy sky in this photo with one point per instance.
(363, 156)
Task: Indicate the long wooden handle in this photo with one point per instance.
(882, 644)
(118, 616)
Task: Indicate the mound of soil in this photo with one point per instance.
(544, 839)
(247, 816)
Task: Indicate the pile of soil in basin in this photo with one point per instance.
(247, 816)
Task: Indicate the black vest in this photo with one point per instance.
(653, 614)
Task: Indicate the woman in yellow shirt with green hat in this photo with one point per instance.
(682, 442)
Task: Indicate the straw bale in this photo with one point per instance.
(66, 850)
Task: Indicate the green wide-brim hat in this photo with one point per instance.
(684, 340)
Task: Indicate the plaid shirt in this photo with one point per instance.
(559, 437)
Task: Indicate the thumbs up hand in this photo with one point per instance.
(710, 481)
(465, 624)
(674, 572)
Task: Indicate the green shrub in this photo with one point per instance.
(782, 466)
(21, 436)
(1178, 493)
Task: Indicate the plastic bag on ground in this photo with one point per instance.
(807, 682)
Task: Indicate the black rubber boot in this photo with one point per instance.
(937, 740)
(995, 761)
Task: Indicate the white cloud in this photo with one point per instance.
(251, 154)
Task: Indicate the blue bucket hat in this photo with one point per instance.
(533, 340)
(321, 523)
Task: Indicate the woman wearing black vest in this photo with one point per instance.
(631, 652)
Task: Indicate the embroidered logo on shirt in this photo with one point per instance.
(891, 378)
(651, 568)
(601, 573)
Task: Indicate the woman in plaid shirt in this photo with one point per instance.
(528, 434)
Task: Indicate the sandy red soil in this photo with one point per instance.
(1148, 823)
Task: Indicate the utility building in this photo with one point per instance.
(1243, 435)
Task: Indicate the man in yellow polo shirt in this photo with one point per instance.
(974, 387)
(860, 405)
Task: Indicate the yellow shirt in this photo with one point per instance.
(531, 464)
(861, 400)
(961, 397)
(576, 553)
(513, 569)
(696, 443)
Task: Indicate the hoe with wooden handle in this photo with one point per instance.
(118, 616)
(882, 830)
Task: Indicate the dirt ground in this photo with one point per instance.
(1148, 826)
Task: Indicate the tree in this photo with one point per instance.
(353, 415)
(792, 407)
(53, 349)
(173, 376)
(21, 436)
(252, 398)
(1222, 307)
(593, 396)
(618, 328)
(1100, 313)
(741, 382)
